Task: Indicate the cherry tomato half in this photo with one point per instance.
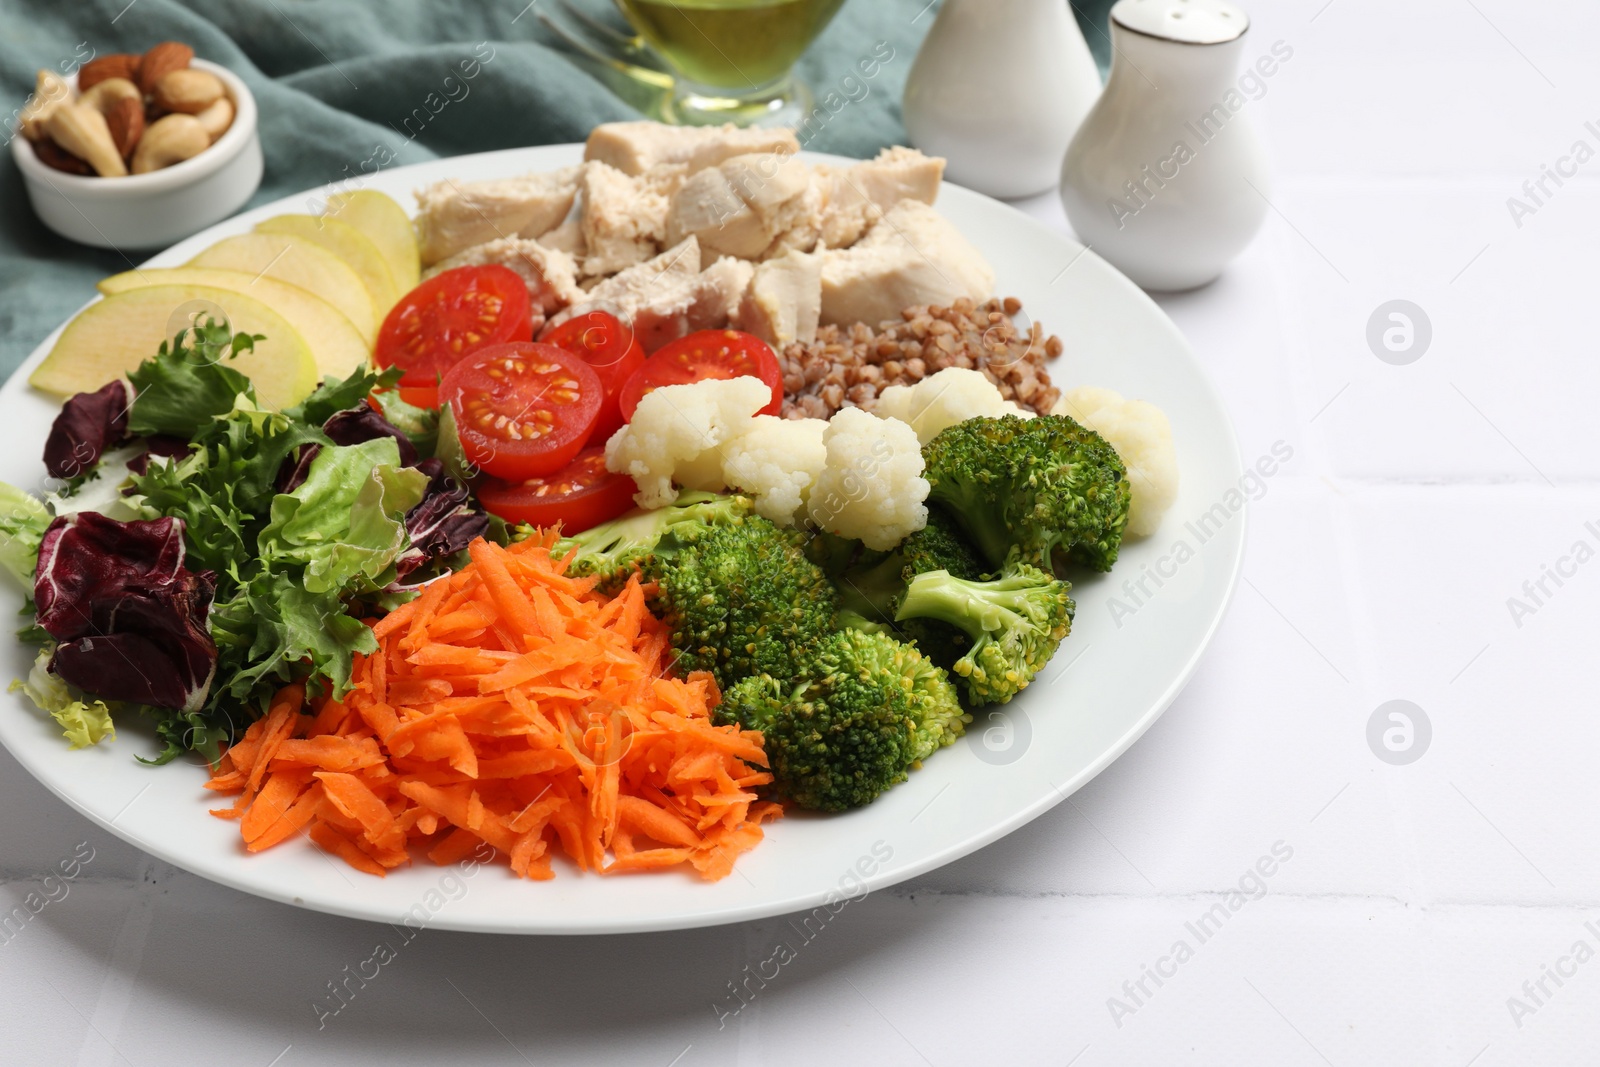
(447, 318)
(709, 354)
(522, 410)
(612, 350)
(580, 495)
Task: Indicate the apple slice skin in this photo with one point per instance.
(301, 263)
(386, 224)
(350, 245)
(336, 344)
(113, 336)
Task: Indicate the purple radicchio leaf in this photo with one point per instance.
(89, 425)
(156, 648)
(444, 523)
(361, 424)
(130, 619)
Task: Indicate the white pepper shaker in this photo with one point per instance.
(1166, 178)
(998, 89)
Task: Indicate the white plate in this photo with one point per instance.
(1112, 677)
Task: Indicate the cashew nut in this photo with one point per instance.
(83, 132)
(168, 140)
(217, 118)
(105, 94)
(50, 92)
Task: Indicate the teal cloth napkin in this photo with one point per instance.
(336, 79)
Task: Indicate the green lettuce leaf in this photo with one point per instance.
(183, 387)
(419, 424)
(449, 452)
(345, 525)
(84, 722)
(271, 630)
(23, 520)
(335, 395)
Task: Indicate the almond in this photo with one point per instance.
(163, 59)
(53, 155)
(125, 119)
(116, 65)
(187, 92)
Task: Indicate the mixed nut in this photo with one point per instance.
(130, 113)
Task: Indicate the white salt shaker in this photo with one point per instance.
(1166, 178)
(998, 89)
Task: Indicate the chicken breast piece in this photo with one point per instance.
(454, 216)
(717, 292)
(635, 147)
(912, 257)
(751, 206)
(551, 275)
(858, 196)
(568, 238)
(670, 296)
(784, 301)
(624, 218)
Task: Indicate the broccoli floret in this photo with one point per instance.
(612, 550)
(870, 590)
(834, 554)
(1015, 623)
(1046, 486)
(873, 585)
(742, 599)
(870, 709)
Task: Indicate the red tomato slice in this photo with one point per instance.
(447, 318)
(709, 354)
(522, 410)
(580, 495)
(611, 349)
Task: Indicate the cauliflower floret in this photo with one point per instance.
(941, 400)
(676, 433)
(775, 461)
(872, 487)
(1142, 436)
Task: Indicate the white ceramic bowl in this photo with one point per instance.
(157, 209)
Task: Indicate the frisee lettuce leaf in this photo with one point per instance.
(83, 721)
(341, 394)
(185, 386)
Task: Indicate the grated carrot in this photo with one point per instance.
(512, 705)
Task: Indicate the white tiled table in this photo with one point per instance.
(1418, 899)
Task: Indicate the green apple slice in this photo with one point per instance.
(336, 344)
(386, 224)
(113, 336)
(298, 262)
(350, 245)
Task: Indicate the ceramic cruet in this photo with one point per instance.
(1166, 177)
(998, 89)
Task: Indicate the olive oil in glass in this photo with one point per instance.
(733, 58)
